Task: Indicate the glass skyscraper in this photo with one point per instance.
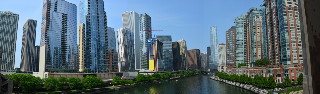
(8, 38)
(59, 35)
(145, 34)
(95, 44)
(213, 63)
(167, 51)
(130, 21)
(240, 39)
(28, 50)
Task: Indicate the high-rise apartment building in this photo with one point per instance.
(183, 53)
(167, 51)
(214, 48)
(231, 46)
(272, 27)
(145, 35)
(59, 35)
(222, 57)
(95, 35)
(130, 21)
(125, 50)
(290, 32)
(28, 50)
(8, 38)
(241, 43)
(254, 48)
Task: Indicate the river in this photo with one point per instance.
(200, 84)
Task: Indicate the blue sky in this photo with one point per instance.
(183, 19)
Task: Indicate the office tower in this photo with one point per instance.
(36, 59)
(214, 48)
(125, 50)
(183, 53)
(222, 57)
(290, 32)
(112, 53)
(240, 50)
(8, 38)
(130, 21)
(208, 58)
(254, 36)
(203, 65)
(28, 50)
(59, 36)
(273, 34)
(156, 56)
(167, 51)
(111, 39)
(145, 34)
(95, 35)
(193, 59)
(231, 47)
(177, 58)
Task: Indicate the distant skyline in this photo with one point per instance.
(182, 19)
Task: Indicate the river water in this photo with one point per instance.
(200, 84)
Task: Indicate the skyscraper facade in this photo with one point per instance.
(36, 59)
(111, 39)
(125, 50)
(214, 49)
(254, 36)
(145, 34)
(272, 27)
(59, 34)
(204, 59)
(240, 51)
(231, 46)
(290, 32)
(28, 50)
(167, 51)
(183, 53)
(177, 58)
(8, 38)
(130, 21)
(94, 18)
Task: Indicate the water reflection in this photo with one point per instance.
(200, 84)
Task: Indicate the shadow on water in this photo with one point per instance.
(200, 84)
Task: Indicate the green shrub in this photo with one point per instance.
(92, 81)
(74, 83)
(25, 82)
(300, 79)
(52, 83)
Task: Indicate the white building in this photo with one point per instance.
(125, 50)
(222, 55)
(130, 21)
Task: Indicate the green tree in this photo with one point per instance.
(74, 83)
(242, 64)
(300, 79)
(64, 83)
(287, 82)
(261, 62)
(52, 83)
(25, 82)
(271, 82)
(92, 81)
